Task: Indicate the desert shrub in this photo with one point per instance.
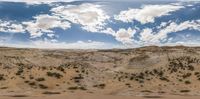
(187, 75)
(31, 77)
(80, 77)
(44, 68)
(40, 79)
(180, 80)
(50, 93)
(77, 79)
(102, 86)
(73, 88)
(42, 86)
(19, 96)
(54, 74)
(190, 67)
(131, 78)
(83, 71)
(32, 83)
(2, 77)
(184, 90)
(26, 81)
(77, 87)
(141, 81)
(20, 64)
(187, 82)
(196, 73)
(20, 70)
(164, 79)
(82, 88)
(129, 85)
(141, 76)
(146, 91)
(155, 71)
(29, 67)
(4, 88)
(152, 97)
(60, 68)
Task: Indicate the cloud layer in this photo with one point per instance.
(127, 27)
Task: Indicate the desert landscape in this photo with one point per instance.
(147, 72)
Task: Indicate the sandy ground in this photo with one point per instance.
(98, 96)
(151, 72)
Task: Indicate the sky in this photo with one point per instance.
(73, 24)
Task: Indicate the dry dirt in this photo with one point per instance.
(148, 72)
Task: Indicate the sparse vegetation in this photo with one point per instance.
(2, 77)
(101, 86)
(50, 92)
(20, 70)
(40, 79)
(187, 82)
(184, 91)
(32, 83)
(175, 71)
(77, 87)
(54, 74)
(42, 86)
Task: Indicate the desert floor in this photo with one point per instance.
(97, 96)
(148, 72)
(83, 95)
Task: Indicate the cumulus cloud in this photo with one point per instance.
(146, 35)
(11, 27)
(125, 35)
(90, 16)
(147, 13)
(151, 37)
(43, 24)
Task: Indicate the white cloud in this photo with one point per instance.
(37, 1)
(44, 24)
(125, 36)
(11, 27)
(109, 31)
(90, 16)
(146, 35)
(151, 37)
(146, 14)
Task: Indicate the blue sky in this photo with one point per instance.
(98, 24)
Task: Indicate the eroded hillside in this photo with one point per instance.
(172, 70)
